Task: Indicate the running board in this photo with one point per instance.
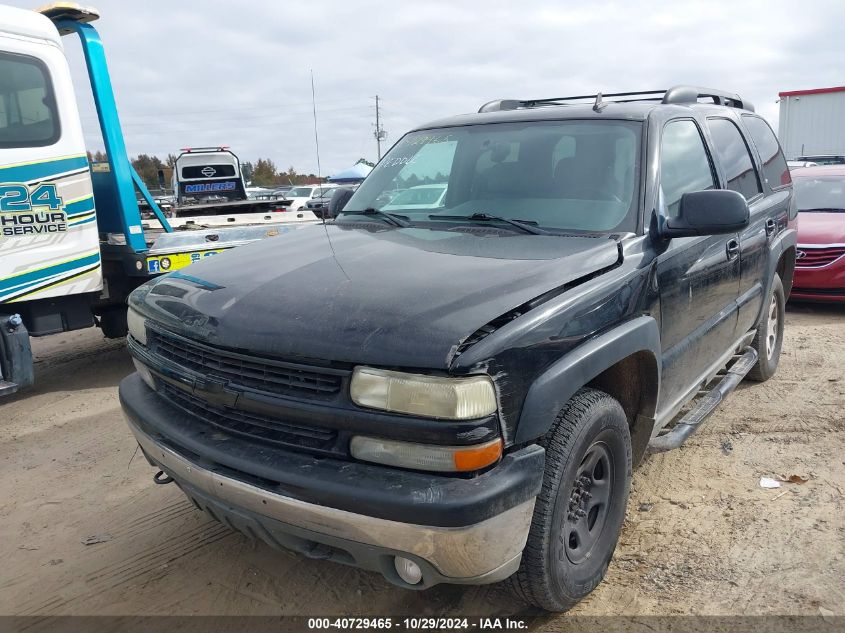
(7, 388)
(693, 419)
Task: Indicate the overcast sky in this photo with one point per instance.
(238, 73)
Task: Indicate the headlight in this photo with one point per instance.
(426, 456)
(137, 326)
(429, 396)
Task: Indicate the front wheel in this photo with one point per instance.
(768, 340)
(580, 509)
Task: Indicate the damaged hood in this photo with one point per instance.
(391, 297)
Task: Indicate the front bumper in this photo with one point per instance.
(292, 516)
(826, 283)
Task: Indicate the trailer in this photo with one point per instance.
(811, 124)
(73, 242)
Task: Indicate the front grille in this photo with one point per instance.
(817, 257)
(252, 425)
(266, 375)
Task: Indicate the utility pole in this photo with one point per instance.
(379, 133)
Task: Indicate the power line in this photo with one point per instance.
(229, 123)
(134, 118)
(238, 108)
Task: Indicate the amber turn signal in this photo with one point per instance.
(477, 457)
(444, 459)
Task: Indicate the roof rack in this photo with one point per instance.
(213, 148)
(675, 94)
(691, 94)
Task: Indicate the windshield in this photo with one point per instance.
(820, 193)
(563, 175)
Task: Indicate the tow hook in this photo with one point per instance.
(14, 322)
(161, 478)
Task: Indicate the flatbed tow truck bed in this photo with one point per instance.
(194, 238)
(234, 206)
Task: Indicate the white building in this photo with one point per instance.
(812, 121)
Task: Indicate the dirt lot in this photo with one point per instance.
(701, 537)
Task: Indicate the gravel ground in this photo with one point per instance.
(701, 535)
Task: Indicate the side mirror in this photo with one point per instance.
(708, 212)
(340, 197)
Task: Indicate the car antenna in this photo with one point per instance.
(320, 173)
(316, 137)
(598, 104)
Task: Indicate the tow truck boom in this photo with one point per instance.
(73, 242)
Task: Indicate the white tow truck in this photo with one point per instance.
(73, 243)
(209, 181)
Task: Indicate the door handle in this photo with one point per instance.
(732, 248)
(771, 226)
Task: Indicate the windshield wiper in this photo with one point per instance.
(822, 210)
(529, 226)
(391, 218)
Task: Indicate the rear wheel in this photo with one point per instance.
(769, 337)
(580, 509)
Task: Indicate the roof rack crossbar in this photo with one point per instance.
(675, 94)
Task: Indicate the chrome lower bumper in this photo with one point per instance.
(485, 552)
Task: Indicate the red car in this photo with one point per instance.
(820, 260)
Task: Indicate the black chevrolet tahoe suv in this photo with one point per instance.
(450, 380)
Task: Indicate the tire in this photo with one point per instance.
(768, 340)
(563, 559)
(113, 322)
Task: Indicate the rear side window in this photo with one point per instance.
(28, 115)
(684, 165)
(775, 171)
(734, 157)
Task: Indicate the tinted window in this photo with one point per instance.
(208, 171)
(565, 175)
(732, 153)
(775, 171)
(27, 108)
(684, 166)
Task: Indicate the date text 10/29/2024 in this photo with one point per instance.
(419, 624)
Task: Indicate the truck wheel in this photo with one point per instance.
(580, 509)
(113, 322)
(769, 338)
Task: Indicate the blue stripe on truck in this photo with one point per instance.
(42, 169)
(26, 279)
(79, 207)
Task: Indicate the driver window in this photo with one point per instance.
(684, 165)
